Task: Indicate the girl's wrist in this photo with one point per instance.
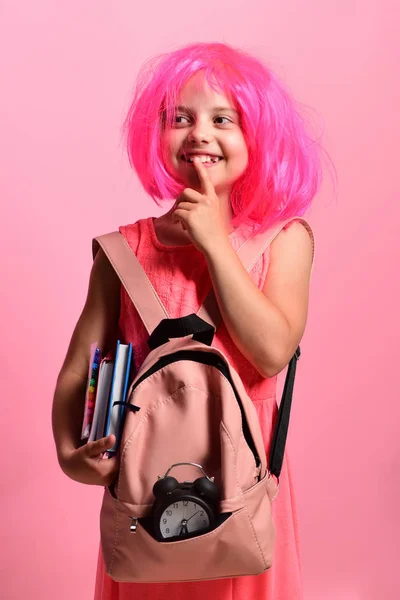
(218, 248)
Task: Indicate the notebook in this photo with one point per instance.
(102, 396)
(119, 388)
(91, 389)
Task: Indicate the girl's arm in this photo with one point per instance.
(98, 322)
(266, 325)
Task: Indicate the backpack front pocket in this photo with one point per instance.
(229, 550)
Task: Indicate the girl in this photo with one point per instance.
(213, 129)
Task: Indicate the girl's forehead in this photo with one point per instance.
(197, 90)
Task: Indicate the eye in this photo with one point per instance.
(226, 118)
(178, 120)
(180, 117)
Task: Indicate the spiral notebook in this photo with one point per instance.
(91, 387)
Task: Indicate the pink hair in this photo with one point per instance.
(284, 170)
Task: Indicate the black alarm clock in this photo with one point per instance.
(186, 509)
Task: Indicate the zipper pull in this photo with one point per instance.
(133, 525)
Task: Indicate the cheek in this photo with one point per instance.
(172, 144)
(239, 152)
(170, 150)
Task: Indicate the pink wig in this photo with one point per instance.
(284, 170)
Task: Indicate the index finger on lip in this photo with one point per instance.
(205, 179)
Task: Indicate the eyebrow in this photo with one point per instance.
(215, 109)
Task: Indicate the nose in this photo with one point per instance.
(200, 132)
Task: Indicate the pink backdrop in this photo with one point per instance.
(66, 73)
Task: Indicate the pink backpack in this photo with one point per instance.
(194, 490)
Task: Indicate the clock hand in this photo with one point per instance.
(196, 513)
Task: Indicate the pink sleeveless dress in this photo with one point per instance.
(180, 277)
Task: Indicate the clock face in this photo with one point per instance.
(182, 518)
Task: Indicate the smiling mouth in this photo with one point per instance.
(206, 159)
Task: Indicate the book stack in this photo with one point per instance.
(108, 383)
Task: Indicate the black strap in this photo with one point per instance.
(131, 407)
(181, 327)
(282, 425)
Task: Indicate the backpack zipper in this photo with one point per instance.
(133, 526)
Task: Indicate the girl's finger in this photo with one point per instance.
(189, 195)
(179, 215)
(207, 185)
(93, 449)
(184, 205)
(176, 220)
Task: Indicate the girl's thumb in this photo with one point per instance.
(109, 441)
(103, 444)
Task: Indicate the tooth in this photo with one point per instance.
(204, 158)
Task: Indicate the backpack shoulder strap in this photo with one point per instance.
(133, 278)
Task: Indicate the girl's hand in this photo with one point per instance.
(200, 213)
(86, 464)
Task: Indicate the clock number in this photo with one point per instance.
(167, 530)
(164, 521)
(185, 502)
(176, 504)
(202, 513)
(169, 512)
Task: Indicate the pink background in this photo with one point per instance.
(66, 73)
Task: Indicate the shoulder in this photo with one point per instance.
(131, 229)
(289, 273)
(287, 281)
(133, 233)
(99, 317)
(295, 233)
(293, 245)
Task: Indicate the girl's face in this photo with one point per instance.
(206, 123)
